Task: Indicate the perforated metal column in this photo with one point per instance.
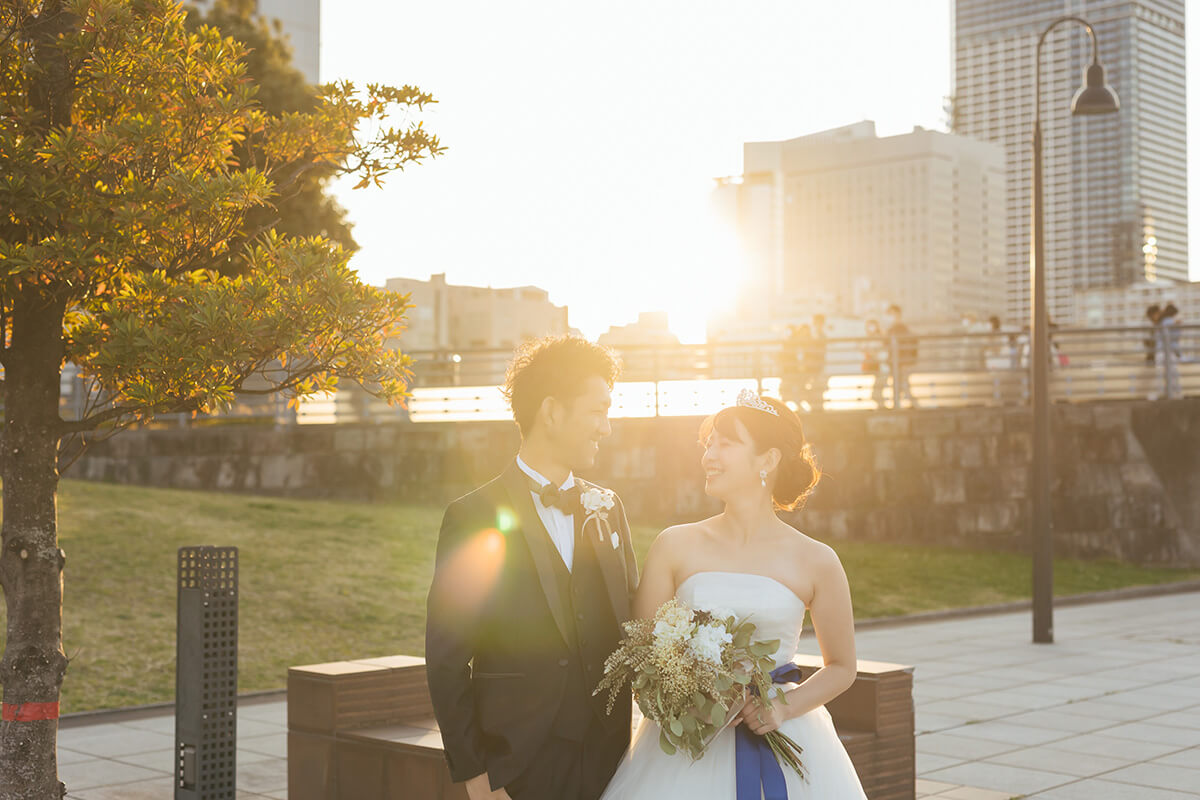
(206, 674)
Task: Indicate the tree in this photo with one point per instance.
(305, 209)
(133, 156)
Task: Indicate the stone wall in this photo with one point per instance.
(1127, 475)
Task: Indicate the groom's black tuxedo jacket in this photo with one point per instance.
(514, 643)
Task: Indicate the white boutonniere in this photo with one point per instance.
(597, 503)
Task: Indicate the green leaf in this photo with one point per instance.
(676, 726)
(718, 715)
(764, 648)
(665, 743)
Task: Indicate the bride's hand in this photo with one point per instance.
(762, 718)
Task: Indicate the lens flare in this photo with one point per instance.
(472, 570)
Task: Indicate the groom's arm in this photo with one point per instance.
(450, 630)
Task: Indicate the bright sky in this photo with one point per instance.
(584, 136)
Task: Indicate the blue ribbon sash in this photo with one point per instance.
(759, 776)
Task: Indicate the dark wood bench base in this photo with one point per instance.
(364, 730)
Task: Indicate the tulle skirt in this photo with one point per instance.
(647, 773)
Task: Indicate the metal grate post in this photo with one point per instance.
(206, 674)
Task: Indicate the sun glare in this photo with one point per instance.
(715, 274)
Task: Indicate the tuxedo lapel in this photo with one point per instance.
(541, 549)
(598, 535)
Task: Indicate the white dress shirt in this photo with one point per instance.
(560, 525)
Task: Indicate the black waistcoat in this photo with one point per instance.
(593, 633)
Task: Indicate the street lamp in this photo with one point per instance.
(1094, 97)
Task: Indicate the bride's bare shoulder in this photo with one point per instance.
(813, 551)
(687, 531)
(681, 537)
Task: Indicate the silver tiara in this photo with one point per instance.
(748, 398)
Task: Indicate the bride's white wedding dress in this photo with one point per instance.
(647, 772)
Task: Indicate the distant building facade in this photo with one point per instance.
(1125, 307)
(1116, 184)
(844, 223)
(650, 330)
(448, 317)
(301, 23)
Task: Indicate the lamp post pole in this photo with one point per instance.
(1094, 98)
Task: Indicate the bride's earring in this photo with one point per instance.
(762, 475)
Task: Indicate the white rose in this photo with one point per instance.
(666, 632)
(596, 499)
(674, 623)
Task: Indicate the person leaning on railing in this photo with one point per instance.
(874, 353)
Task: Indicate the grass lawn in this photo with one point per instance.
(325, 581)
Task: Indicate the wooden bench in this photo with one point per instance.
(874, 719)
(364, 730)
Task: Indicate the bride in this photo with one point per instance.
(748, 562)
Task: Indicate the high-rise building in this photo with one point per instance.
(300, 21)
(845, 223)
(1115, 185)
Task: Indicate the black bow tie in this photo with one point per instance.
(565, 500)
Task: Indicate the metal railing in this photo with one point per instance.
(939, 371)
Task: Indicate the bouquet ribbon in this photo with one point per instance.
(758, 773)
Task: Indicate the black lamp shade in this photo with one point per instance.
(1095, 96)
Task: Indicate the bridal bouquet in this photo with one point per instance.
(691, 672)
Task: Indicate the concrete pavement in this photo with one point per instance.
(1111, 711)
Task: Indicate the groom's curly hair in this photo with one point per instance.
(554, 366)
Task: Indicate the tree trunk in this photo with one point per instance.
(31, 562)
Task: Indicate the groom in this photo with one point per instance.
(534, 576)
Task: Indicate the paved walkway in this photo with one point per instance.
(1110, 711)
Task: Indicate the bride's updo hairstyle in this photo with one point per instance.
(797, 473)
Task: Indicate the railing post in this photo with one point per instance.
(657, 378)
(1168, 359)
(894, 359)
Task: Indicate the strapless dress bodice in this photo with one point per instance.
(774, 609)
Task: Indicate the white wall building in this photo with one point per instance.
(447, 317)
(843, 222)
(651, 329)
(1125, 306)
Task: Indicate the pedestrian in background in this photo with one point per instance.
(1169, 351)
(874, 355)
(903, 347)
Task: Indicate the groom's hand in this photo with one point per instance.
(480, 788)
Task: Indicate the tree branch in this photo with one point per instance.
(94, 421)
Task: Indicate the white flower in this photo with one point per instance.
(718, 612)
(707, 642)
(596, 500)
(674, 623)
